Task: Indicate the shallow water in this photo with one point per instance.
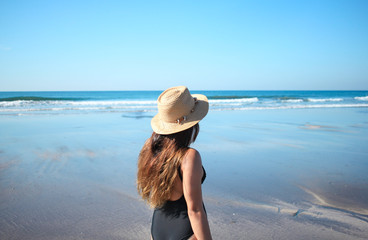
(282, 148)
(284, 174)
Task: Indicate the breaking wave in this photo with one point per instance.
(325, 99)
(361, 98)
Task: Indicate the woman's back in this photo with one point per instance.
(171, 221)
(178, 184)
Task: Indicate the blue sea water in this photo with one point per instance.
(140, 102)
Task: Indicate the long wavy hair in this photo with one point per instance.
(159, 162)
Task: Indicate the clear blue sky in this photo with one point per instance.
(152, 45)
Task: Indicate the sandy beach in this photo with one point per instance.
(275, 174)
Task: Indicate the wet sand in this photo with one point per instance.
(278, 174)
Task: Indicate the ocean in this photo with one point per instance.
(137, 103)
(280, 164)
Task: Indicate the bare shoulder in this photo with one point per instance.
(192, 159)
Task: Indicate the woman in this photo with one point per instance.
(170, 173)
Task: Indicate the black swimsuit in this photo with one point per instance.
(171, 221)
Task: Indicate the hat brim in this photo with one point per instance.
(200, 111)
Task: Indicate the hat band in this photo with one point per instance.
(184, 118)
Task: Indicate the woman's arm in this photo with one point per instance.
(192, 180)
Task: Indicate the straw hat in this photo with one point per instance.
(178, 110)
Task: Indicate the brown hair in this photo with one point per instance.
(159, 162)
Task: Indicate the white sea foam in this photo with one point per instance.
(237, 100)
(325, 99)
(74, 103)
(292, 100)
(111, 102)
(97, 108)
(15, 103)
(298, 107)
(362, 98)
